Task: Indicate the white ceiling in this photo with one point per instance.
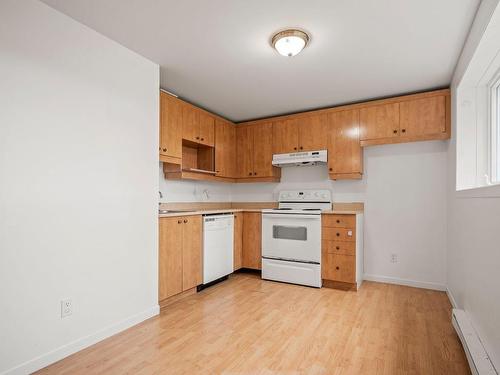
(216, 53)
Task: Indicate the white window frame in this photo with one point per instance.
(494, 127)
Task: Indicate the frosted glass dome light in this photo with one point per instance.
(290, 42)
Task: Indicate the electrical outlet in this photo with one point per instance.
(394, 258)
(66, 308)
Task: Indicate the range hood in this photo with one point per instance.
(300, 158)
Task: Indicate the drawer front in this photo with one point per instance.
(338, 247)
(338, 234)
(339, 221)
(339, 268)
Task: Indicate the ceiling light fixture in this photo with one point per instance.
(290, 42)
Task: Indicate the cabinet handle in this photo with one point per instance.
(249, 173)
(337, 247)
(403, 130)
(185, 221)
(301, 147)
(331, 169)
(203, 139)
(197, 137)
(338, 234)
(395, 131)
(255, 173)
(338, 221)
(164, 150)
(337, 268)
(179, 221)
(295, 148)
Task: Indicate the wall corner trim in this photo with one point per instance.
(65, 350)
(405, 282)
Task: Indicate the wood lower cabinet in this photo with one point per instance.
(342, 249)
(225, 149)
(252, 240)
(345, 155)
(180, 254)
(238, 241)
(171, 118)
(255, 153)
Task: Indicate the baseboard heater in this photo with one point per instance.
(479, 361)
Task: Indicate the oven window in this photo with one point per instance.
(286, 232)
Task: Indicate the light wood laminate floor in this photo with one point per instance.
(249, 326)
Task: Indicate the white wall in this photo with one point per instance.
(78, 185)
(473, 256)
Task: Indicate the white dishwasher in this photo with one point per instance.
(218, 231)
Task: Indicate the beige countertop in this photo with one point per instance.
(230, 210)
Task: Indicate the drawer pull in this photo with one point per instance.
(338, 221)
(395, 131)
(179, 221)
(337, 247)
(337, 268)
(185, 221)
(338, 234)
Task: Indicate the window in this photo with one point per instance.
(495, 131)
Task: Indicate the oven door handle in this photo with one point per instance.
(292, 216)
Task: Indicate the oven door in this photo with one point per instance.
(295, 237)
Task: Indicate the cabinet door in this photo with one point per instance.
(423, 116)
(339, 267)
(312, 133)
(225, 149)
(170, 257)
(345, 155)
(207, 124)
(263, 150)
(244, 150)
(190, 123)
(238, 240)
(191, 252)
(170, 126)
(380, 121)
(285, 136)
(252, 240)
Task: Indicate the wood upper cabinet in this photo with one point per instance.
(191, 252)
(423, 116)
(197, 125)
(252, 240)
(255, 153)
(345, 155)
(238, 241)
(244, 149)
(170, 257)
(262, 150)
(170, 126)
(225, 149)
(379, 121)
(285, 136)
(312, 133)
(207, 129)
(305, 133)
(180, 255)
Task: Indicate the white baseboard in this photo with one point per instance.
(451, 298)
(406, 282)
(80, 344)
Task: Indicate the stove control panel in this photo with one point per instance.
(305, 196)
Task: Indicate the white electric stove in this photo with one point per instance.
(291, 237)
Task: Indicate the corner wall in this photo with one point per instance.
(78, 186)
(473, 255)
